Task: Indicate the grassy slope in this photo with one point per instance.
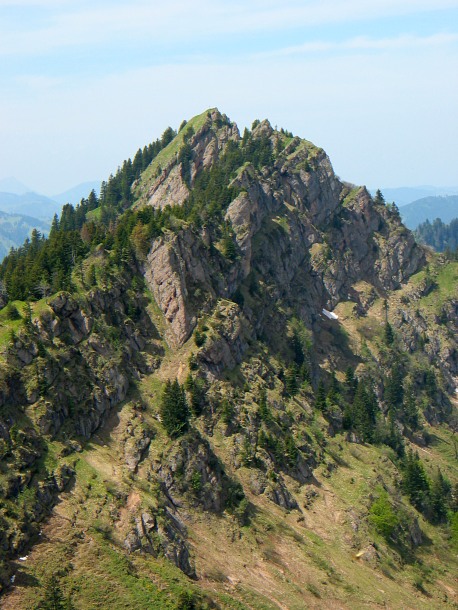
(283, 559)
(168, 153)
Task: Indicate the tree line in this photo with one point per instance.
(438, 235)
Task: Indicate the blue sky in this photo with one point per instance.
(83, 84)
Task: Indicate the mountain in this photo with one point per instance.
(14, 229)
(182, 425)
(11, 185)
(29, 204)
(75, 194)
(445, 208)
(407, 194)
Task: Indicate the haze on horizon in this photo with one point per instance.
(84, 85)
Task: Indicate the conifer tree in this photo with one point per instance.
(415, 482)
(379, 198)
(291, 380)
(53, 596)
(394, 391)
(350, 382)
(389, 334)
(440, 493)
(27, 312)
(320, 399)
(410, 414)
(174, 410)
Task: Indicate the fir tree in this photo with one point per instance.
(440, 493)
(379, 199)
(27, 312)
(174, 410)
(394, 391)
(320, 399)
(415, 482)
(361, 415)
(410, 414)
(333, 391)
(350, 382)
(291, 385)
(389, 334)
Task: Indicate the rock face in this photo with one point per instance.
(309, 236)
(192, 468)
(67, 372)
(170, 186)
(166, 536)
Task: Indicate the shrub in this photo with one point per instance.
(11, 312)
(383, 517)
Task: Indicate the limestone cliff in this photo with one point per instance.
(309, 236)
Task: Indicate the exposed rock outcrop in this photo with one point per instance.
(309, 236)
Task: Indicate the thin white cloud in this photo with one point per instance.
(364, 43)
(180, 21)
(31, 3)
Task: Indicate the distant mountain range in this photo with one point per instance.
(17, 198)
(445, 208)
(404, 195)
(22, 210)
(15, 228)
(75, 194)
(11, 185)
(29, 204)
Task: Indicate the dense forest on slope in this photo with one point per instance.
(440, 236)
(168, 377)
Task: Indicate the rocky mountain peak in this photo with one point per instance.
(291, 220)
(196, 147)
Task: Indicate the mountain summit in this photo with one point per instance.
(290, 223)
(228, 381)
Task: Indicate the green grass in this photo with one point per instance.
(168, 153)
(307, 146)
(447, 287)
(350, 198)
(7, 329)
(8, 326)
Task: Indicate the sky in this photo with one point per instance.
(85, 83)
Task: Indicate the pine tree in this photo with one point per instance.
(394, 391)
(27, 312)
(389, 334)
(333, 391)
(379, 198)
(229, 248)
(361, 415)
(54, 225)
(320, 399)
(174, 410)
(410, 415)
(415, 482)
(291, 380)
(350, 382)
(440, 493)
